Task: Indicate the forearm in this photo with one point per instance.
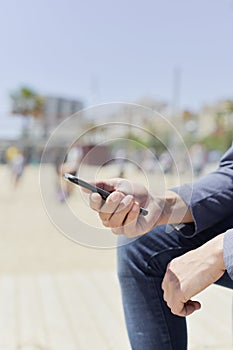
(228, 252)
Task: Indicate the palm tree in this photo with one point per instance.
(29, 104)
(229, 107)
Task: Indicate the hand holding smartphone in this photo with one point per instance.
(104, 194)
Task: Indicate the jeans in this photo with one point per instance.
(142, 264)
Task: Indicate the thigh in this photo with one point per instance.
(150, 253)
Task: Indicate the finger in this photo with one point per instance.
(129, 227)
(95, 201)
(185, 309)
(167, 285)
(109, 185)
(105, 223)
(110, 205)
(118, 230)
(132, 214)
(177, 307)
(131, 221)
(190, 307)
(119, 216)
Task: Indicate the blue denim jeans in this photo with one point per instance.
(142, 264)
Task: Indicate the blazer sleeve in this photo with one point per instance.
(210, 198)
(228, 252)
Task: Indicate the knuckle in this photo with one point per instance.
(165, 298)
(115, 225)
(105, 223)
(174, 310)
(114, 198)
(93, 206)
(103, 216)
(115, 222)
(129, 233)
(116, 231)
(163, 287)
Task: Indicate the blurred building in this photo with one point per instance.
(30, 131)
(56, 110)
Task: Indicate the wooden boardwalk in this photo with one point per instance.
(58, 295)
(82, 311)
(61, 312)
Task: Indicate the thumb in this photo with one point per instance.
(190, 306)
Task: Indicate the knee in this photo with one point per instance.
(147, 255)
(129, 260)
(143, 256)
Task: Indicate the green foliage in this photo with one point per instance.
(26, 101)
(138, 141)
(229, 106)
(222, 138)
(218, 141)
(151, 142)
(157, 145)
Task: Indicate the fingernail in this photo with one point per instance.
(95, 197)
(127, 200)
(135, 207)
(115, 197)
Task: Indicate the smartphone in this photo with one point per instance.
(104, 194)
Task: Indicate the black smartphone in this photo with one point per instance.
(104, 194)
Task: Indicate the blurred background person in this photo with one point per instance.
(17, 166)
(11, 152)
(70, 165)
(165, 161)
(198, 157)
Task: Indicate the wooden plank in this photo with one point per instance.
(105, 318)
(80, 314)
(8, 313)
(32, 333)
(109, 277)
(108, 286)
(212, 326)
(58, 328)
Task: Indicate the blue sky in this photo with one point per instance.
(104, 51)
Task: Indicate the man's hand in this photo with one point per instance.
(191, 273)
(120, 211)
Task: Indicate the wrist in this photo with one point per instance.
(173, 209)
(213, 251)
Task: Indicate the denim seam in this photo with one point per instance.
(161, 252)
(164, 319)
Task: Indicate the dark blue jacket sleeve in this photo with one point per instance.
(210, 198)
